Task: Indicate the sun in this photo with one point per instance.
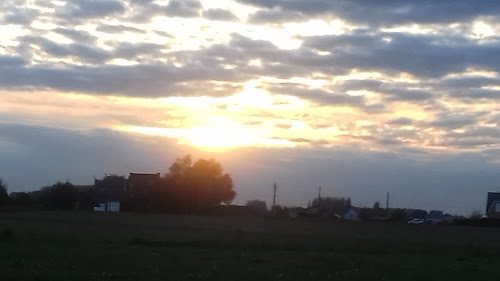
(205, 137)
(212, 138)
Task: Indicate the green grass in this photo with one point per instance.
(94, 246)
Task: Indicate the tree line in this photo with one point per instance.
(187, 187)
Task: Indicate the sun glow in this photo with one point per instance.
(212, 138)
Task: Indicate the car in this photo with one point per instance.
(416, 221)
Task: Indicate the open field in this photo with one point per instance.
(91, 246)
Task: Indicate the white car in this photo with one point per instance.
(416, 221)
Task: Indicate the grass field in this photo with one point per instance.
(95, 246)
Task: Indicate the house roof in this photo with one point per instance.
(142, 178)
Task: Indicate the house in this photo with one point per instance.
(493, 205)
(351, 215)
(140, 184)
(110, 188)
(111, 206)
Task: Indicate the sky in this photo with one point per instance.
(358, 97)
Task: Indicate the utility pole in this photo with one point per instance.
(274, 194)
(319, 193)
(387, 201)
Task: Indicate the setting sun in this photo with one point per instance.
(212, 138)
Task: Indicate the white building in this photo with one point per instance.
(111, 206)
(351, 215)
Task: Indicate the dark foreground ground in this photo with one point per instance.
(89, 246)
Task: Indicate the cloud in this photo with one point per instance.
(275, 16)
(467, 82)
(159, 79)
(454, 121)
(219, 14)
(283, 126)
(183, 8)
(84, 52)
(401, 121)
(21, 16)
(130, 50)
(317, 95)
(421, 55)
(426, 56)
(386, 13)
(92, 8)
(82, 37)
(392, 91)
(7, 61)
(117, 29)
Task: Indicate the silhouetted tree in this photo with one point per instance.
(85, 198)
(331, 205)
(366, 214)
(279, 211)
(376, 206)
(59, 196)
(398, 215)
(257, 204)
(198, 186)
(4, 196)
(20, 199)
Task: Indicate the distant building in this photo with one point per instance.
(111, 188)
(493, 205)
(140, 184)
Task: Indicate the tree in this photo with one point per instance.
(331, 205)
(198, 186)
(376, 206)
(257, 204)
(4, 196)
(398, 215)
(20, 199)
(279, 211)
(59, 196)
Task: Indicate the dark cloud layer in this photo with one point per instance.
(421, 55)
(387, 12)
(276, 16)
(317, 95)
